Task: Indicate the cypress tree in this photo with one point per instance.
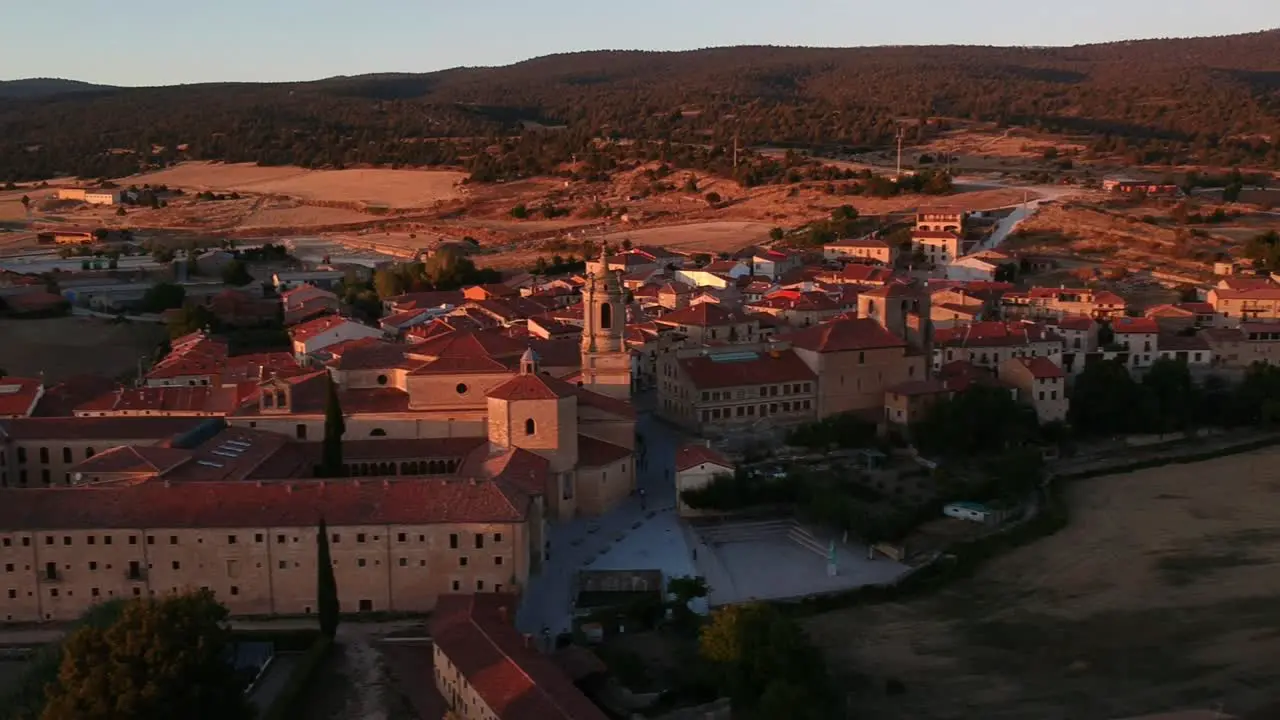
(334, 428)
(326, 585)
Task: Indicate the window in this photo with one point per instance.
(336, 538)
(301, 431)
(44, 455)
(360, 562)
(606, 316)
(497, 560)
(404, 562)
(453, 541)
(44, 477)
(479, 585)
(88, 453)
(231, 539)
(461, 388)
(258, 537)
(151, 539)
(377, 432)
(235, 590)
(497, 537)
(22, 455)
(177, 565)
(106, 539)
(1053, 395)
(400, 537)
(359, 537)
(51, 571)
(462, 561)
(8, 567)
(479, 541)
(66, 454)
(93, 565)
(456, 585)
(529, 427)
(173, 539)
(284, 564)
(66, 540)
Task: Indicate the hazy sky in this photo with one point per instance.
(152, 42)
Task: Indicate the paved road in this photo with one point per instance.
(631, 537)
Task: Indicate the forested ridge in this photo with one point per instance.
(1202, 99)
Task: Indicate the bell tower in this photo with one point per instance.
(606, 362)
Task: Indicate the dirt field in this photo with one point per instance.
(62, 347)
(390, 188)
(1162, 593)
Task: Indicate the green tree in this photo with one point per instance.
(520, 212)
(236, 274)
(776, 234)
(161, 659)
(1105, 400)
(334, 428)
(1170, 396)
(163, 296)
(189, 319)
(713, 198)
(684, 590)
(327, 607)
(26, 203)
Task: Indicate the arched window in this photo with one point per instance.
(606, 316)
(377, 432)
(529, 427)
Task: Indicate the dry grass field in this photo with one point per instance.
(1164, 592)
(389, 188)
(62, 347)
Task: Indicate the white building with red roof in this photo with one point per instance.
(697, 464)
(318, 334)
(989, 344)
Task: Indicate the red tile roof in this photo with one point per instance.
(1041, 367)
(133, 460)
(1135, 325)
(532, 387)
(1184, 343)
(365, 354)
(1075, 322)
(176, 399)
(611, 405)
(864, 274)
(843, 335)
(515, 680)
(18, 396)
(253, 505)
(312, 328)
(994, 333)
(431, 299)
(863, 242)
(597, 453)
(701, 315)
(731, 371)
(695, 454)
(62, 399)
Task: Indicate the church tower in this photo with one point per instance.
(606, 362)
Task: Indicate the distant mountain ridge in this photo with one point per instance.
(42, 87)
(1215, 98)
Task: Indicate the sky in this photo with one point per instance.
(165, 42)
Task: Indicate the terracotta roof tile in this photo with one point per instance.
(312, 328)
(1184, 343)
(1041, 367)
(695, 454)
(994, 333)
(732, 371)
(700, 315)
(18, 396)
(611, 405)
(515, 680)
(130, 459)
(1135, 325)
(169, 399)
(843, 335)
(596, 453)
(532, 387)
(62, 399)
(250, 505)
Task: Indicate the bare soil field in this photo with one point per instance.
(1163, 592)
(711, 237)
(389, 188)
(66, 346)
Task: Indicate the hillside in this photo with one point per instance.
(44, 87)
(1201, 99)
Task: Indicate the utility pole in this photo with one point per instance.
(899, 175)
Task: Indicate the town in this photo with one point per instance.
(959, 429)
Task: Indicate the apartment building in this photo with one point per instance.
(1052, 303)
(1040, 383)
(396, 544)
(937, 247)
(735, 388)
(989, 344)
(1235, 306)
(941, 219)
(869, 249)
(1240, 347)
(709, 323)
(1139, 337)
